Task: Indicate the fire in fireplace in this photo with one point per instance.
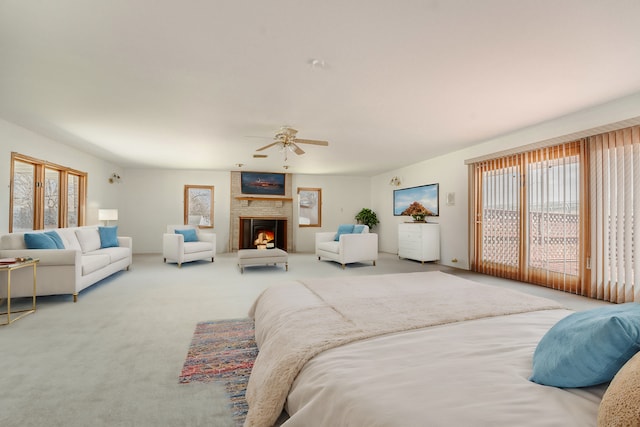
(265, 238)
(263, 233)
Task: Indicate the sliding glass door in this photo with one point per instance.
(527, 218)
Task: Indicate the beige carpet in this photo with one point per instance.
(114, 357)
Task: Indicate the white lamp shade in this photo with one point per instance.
(107, 214)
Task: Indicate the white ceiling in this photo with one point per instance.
(191, 83)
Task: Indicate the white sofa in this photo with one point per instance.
(359, 247)
(66, 271)
(175, 249)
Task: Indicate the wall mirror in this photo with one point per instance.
(309, 207)
(198, 205)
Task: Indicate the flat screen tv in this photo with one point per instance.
(262, 183)
(407, 201)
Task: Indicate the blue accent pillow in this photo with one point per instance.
(39, 241)
(358, 229)
(108, 237)
(588, 347)
(189, 234)
(56, 239)
(343, 229)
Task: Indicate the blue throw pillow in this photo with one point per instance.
(108, 237)
(358, 229)
(189, 234)
(343, 229)
(588, 347)
(39, 241)
(56, 239)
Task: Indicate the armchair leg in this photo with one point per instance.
(165, 261)
(374, 262)
(344, 266)
(179, 265)
(318, 258)
(212, 259)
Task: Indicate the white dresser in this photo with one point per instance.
(419, 241)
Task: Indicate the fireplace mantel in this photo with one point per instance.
(282, 199)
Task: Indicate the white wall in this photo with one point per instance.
(154, 198)
(342, 198)
(452, 174)
(100, 194)
(148, 200)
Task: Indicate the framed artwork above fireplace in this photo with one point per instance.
(263, 183)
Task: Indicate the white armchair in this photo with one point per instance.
(175, 249)
(349, 248)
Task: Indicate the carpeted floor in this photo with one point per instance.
(223, 351)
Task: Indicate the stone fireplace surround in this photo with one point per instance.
(245, 206)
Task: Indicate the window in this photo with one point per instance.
(198, 205)
(309, 207)
(527, 216)
(44, 195)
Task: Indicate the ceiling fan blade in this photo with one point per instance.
(311, 141)
(268, 145)
(297, 149)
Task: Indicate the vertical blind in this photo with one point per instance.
(614, 161)
(566, 217)
(526, 218)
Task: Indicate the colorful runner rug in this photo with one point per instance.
(223, 351)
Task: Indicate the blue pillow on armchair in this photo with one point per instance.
(343, 229)
(189, 234)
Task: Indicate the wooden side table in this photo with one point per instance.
(9, 265)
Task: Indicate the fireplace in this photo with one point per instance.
(263, 233)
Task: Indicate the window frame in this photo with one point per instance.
(64, 172)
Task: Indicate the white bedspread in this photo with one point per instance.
(464, 374)
(299, 320)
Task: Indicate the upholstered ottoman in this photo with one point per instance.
(262, 257)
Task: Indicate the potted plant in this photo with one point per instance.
(367, 217)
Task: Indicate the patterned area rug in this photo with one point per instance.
(223, 351)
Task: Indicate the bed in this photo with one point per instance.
(409, 349)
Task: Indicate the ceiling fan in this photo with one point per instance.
(286, 139)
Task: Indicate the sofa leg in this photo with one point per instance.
(179, 265)
(165, 261)
(75, 297)
(344, 266)
(374, 262)
(286, 266)
(212, 259)
(318, 258)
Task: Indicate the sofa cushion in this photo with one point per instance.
(108, 236)
(69, 238)
(115, 253)
(94, 262)
(39, 241)
(332, 246)
(89, 239)
(189, 234)
(194, 247)
(343, 229)
(56, 239)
